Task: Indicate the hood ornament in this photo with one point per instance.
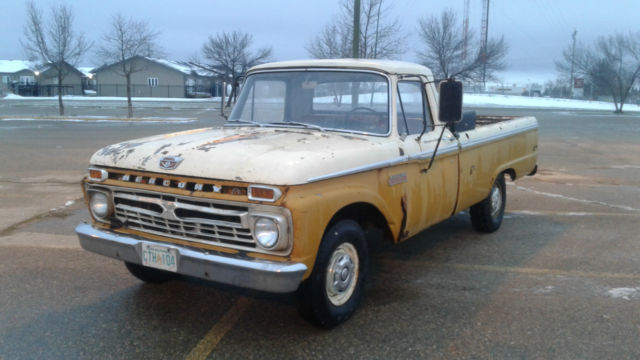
(170, 162)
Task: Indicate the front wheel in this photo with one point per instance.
(333, 291)
(486, 216)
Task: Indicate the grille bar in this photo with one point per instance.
(186, 219)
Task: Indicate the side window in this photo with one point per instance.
(411, 108)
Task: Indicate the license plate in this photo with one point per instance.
(159, 257)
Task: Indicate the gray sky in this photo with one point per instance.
(536, 30)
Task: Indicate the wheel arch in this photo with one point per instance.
(367, 215)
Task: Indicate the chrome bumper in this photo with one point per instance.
(264, 275)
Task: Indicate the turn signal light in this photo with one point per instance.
(98, 174)
(264, 193)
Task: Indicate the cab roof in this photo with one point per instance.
(386, 66)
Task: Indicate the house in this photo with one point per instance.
(47, 80)
(15, 75)
(157, 78)
(28, 79)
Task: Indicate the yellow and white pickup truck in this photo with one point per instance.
(313, 155)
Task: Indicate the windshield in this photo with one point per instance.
(325, 100)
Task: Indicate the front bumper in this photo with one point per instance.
(264, 275)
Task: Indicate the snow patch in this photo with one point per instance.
(69, 203)
(495, 100)
(544, 290)
(624, 293)
(103, 119)
(584, 201)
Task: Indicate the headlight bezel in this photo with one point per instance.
(281, 224)
(107, 202)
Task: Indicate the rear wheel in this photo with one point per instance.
(486, 216)
(149, 275)
(333, 291)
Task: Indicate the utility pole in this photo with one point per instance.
(356, 29)
(573, 55)
(484, 38)
(465, 31)
(355, 89)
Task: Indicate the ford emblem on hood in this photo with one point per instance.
(170, 162)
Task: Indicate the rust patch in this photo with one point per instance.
(161, 148)
(227, 139)
(293, 132)
(233, 138)
(145, 160)
(119, 151)
(403, 233)
(348, 137)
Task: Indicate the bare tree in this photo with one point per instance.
(125, 41)
(230, 55)
(612, 64)
(55, 44)
(379, 37)
(443, 43)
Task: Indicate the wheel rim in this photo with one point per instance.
(342, 274)
(496, 201)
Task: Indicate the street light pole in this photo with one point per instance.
(573, 55)
(355, 50)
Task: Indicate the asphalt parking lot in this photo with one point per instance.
(559, 280)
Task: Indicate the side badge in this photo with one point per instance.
(397, 179)
(170, 162)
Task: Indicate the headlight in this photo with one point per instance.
(266, 232)
(99, 204)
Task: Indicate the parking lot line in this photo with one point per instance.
(217, 332)
(518, 270)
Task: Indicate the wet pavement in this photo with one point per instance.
(560, 279)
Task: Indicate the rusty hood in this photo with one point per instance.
(276, 156)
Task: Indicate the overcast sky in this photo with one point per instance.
(536, 30)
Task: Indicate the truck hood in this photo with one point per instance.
(275, 156)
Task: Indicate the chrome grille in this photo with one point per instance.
(205, 221)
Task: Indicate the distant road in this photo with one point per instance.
(198, 109)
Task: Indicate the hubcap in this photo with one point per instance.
(496, 201)
(342, 274)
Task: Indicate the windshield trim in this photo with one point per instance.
(329, 69)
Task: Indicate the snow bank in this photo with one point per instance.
(108, 98)
(495, 100)
(475, 100)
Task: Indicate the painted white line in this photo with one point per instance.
(625, 167)
(513, 213)
(217, 332)
(514, 269)
(584, 201)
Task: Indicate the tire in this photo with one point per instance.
(486, 216)
(149, 275)
(332, 293)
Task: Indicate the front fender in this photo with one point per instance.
(313, 206)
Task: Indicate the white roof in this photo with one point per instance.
(12, 66)
(387, 66)
(182, 67)
(86, 70)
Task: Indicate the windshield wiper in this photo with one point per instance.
(308, 126)
(240, 121)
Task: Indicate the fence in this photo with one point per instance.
(45, 90)
(169, 91)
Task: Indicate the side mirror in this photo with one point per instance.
(450, 110)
